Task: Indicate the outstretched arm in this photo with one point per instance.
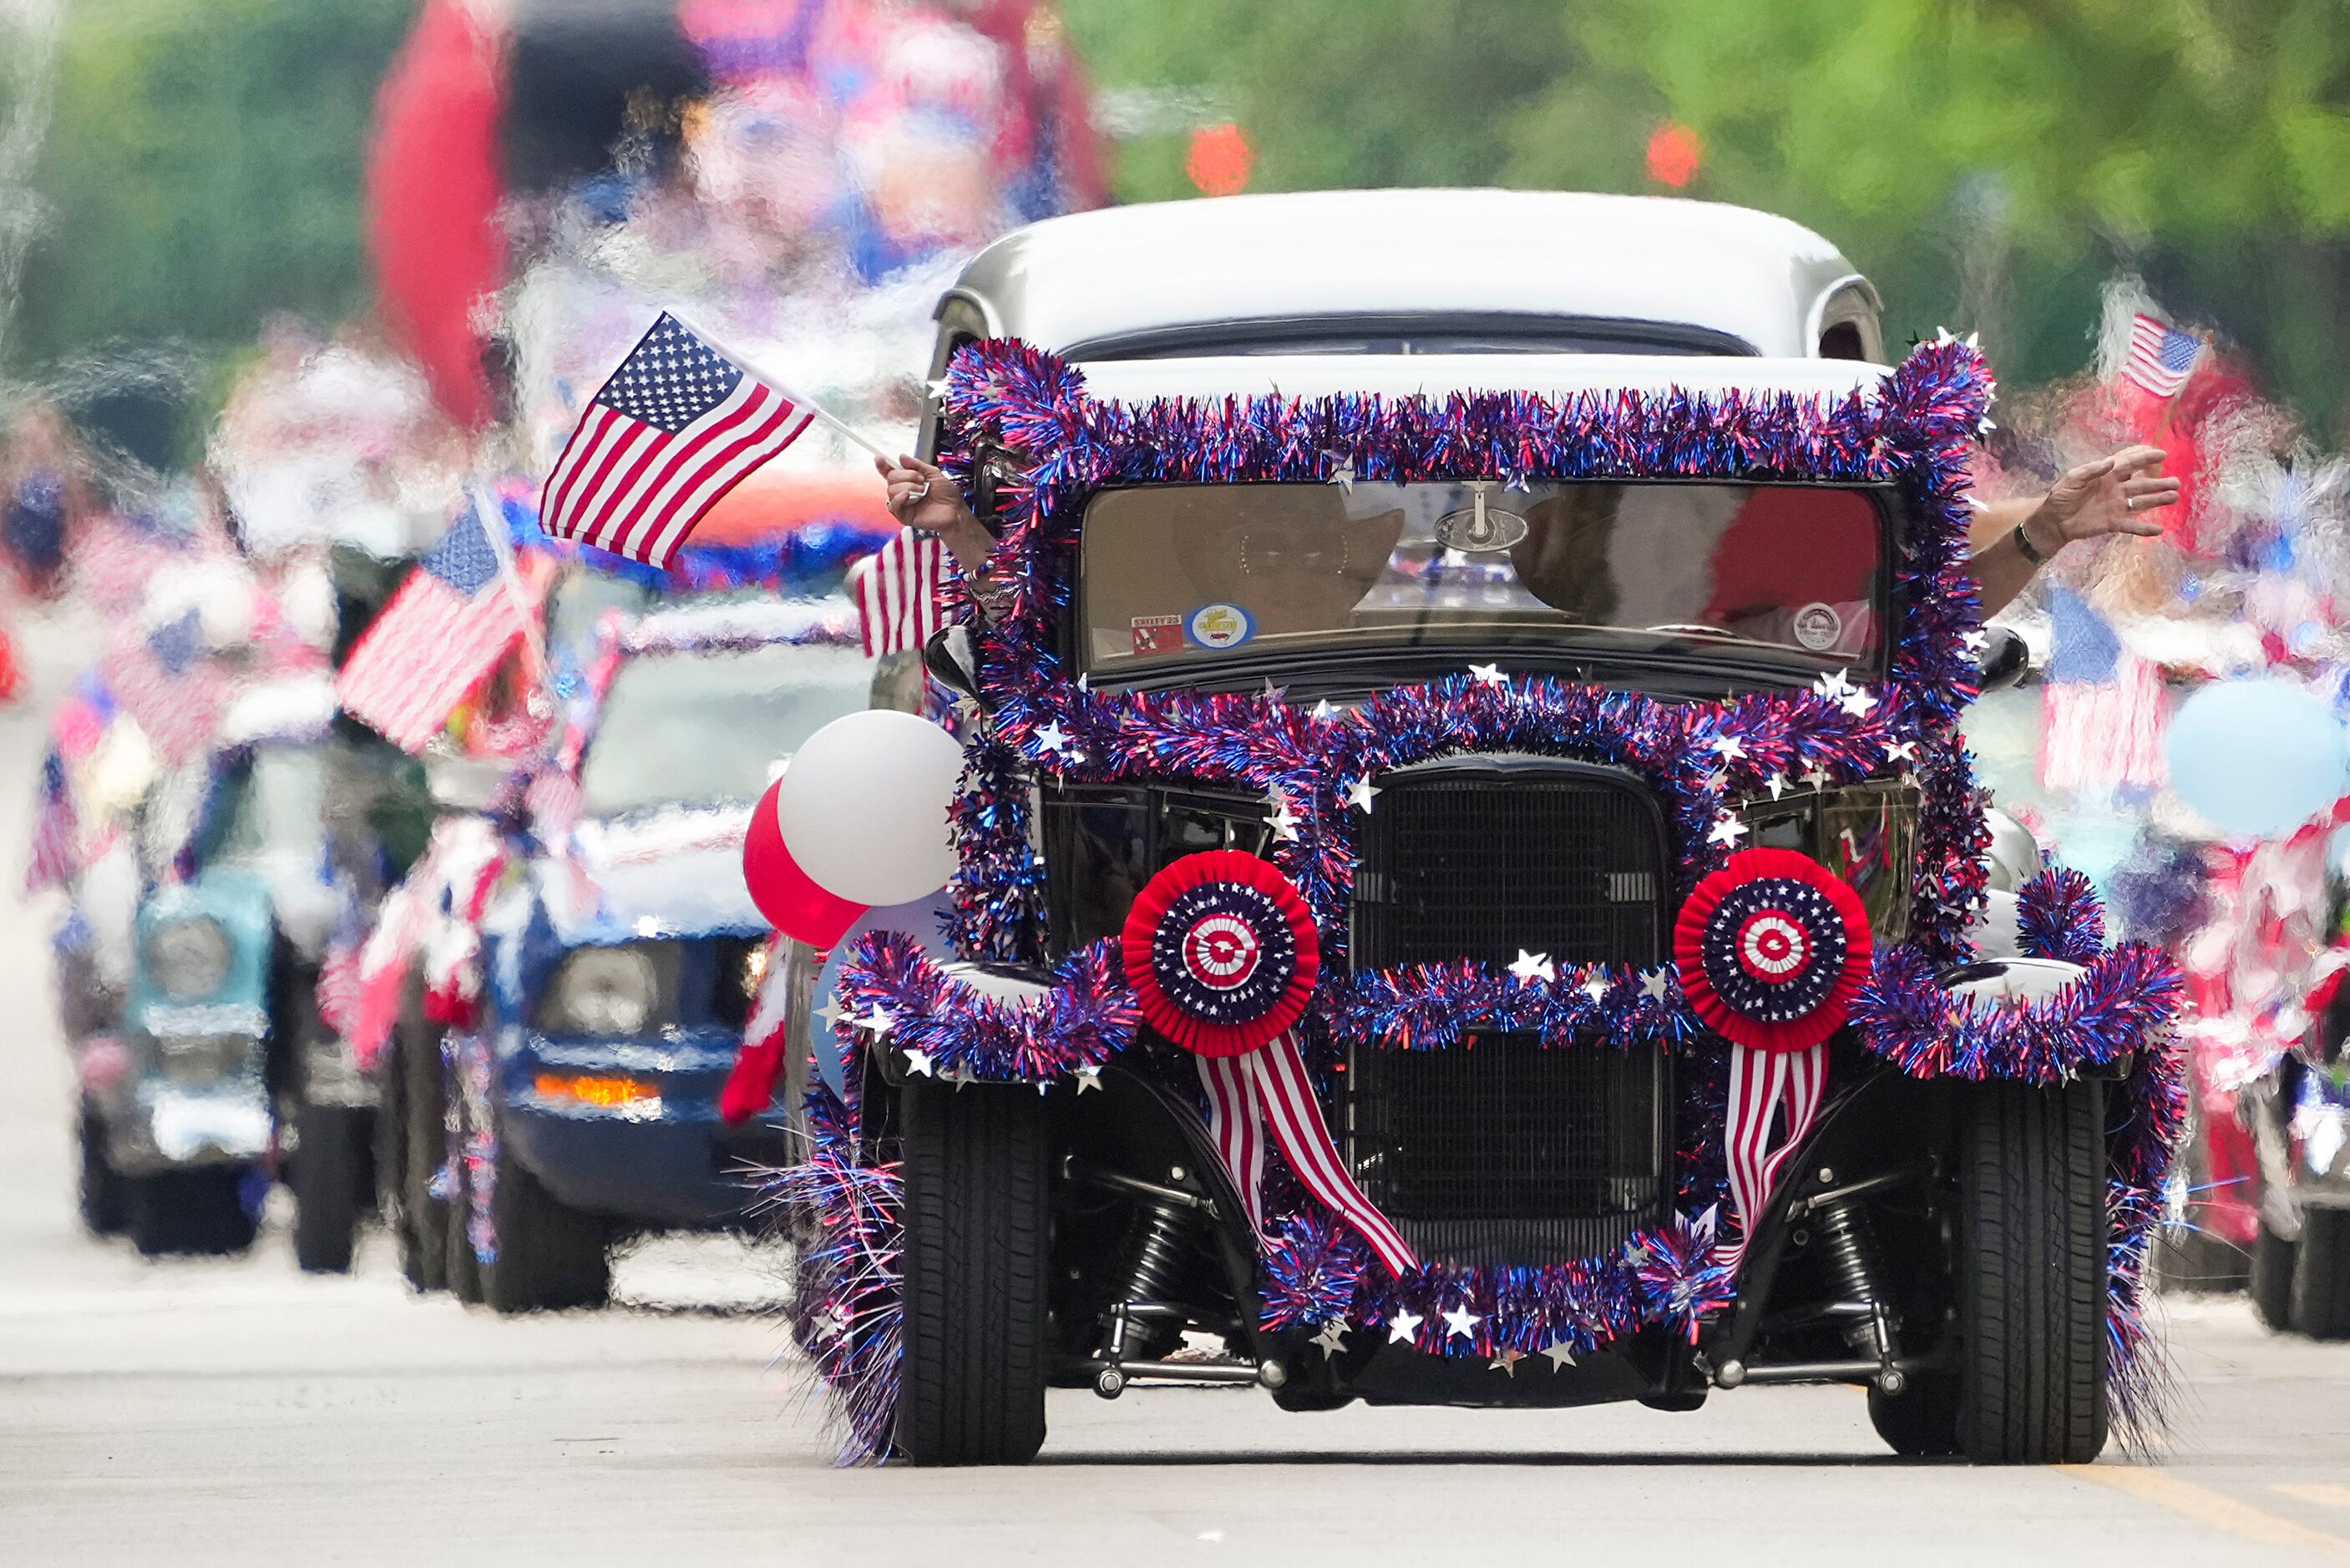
(2011, 539)
(923, 495)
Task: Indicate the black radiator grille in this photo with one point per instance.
(1505, 1152)
(1478, 862)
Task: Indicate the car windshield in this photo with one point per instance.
(271, 809)
(1175, 575)
(707, 728)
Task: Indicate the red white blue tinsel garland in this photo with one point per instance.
(1438, 1006)
(1085, 1017)
(2123, 1002)
(2057, 916)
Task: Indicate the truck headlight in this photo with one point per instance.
(602, 991)
(188, 958)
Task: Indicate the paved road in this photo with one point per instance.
(235, 1412)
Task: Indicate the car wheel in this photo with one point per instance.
(2032, 1274)
(549, 1256)
(2272, 1278)
(2320, 1277)
(972, 1376)
(415, 1151)
(328, 1175)
(197, 1211)
(461, 1212)
(1922, 1420)
(105, 1191)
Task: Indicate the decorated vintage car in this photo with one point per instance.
(593, 956)
(1466, 861)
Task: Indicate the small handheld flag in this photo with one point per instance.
(453, 620)
(677, 425)
(2161, 358)
(898, 592)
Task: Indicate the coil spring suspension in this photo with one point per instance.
(1848, 1247)
(1138, 1322)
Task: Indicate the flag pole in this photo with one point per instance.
(751, 367)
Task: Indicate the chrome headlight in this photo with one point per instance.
(188, 958)
(602, 991)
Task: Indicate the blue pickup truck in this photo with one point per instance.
(621, 952)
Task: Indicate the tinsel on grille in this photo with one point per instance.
(1438, 1006)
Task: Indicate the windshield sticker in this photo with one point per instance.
(1218, 626)
(1818, 626)
(1157, 633)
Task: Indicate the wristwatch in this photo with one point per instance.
(2031, 552)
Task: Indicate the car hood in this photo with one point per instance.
(675, 873)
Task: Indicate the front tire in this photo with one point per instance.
(549, 1257)
(198, 1211)
(2321, 1278)
(2032, 1274)
(972, 1377)
(105, 1191)
(329, 1174)
(416, 1149)
(2272, 1278)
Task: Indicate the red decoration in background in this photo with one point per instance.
(433, 186)
(1676, 153)
(786, 895)
(1220, 159)
(1771, 950)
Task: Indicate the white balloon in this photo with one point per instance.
(864, 807)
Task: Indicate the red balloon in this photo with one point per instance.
(786, 895)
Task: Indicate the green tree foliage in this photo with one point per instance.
(1989, 163)
(202, 171)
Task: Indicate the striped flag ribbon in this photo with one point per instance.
(1270, 1087)
(1761, 1081)
(900, 589)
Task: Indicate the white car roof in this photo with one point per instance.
(1078, 284)
(1436, 375)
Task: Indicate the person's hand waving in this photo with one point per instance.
(2111, 495)
(925, 497)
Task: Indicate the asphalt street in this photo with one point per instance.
(234, 1411)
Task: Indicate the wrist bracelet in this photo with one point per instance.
(2031, 552)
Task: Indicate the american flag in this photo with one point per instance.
(55, 827)
(164, 680)
(2103, 734)
(446, 628)
(677, 426)
(2161, 357)
(897, 591)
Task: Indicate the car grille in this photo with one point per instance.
(1478, 860)
(1505, 1152)
(1508, 1153)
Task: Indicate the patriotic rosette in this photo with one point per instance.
(1772, 948)
(1222, 952)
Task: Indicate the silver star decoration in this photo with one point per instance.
(1490, 674)
(917, 1063)
(1596, 988)
(1716, 782)
(937, 390)
(1506, 1362)
(1085, 681)
(1360, 793)
(831, 1322)
(832, 1013)
(1087, 1077)
(1519, 482)
(1283, 823)
(1858, 703)
(1834, 685)
(1729, 748)
(1404, 1327)
(1976, 640)
(1560, 1356)
(1532, 967)
(1460, 1321)
(1776, 784)
(878, 1021)
(1332, 1339)
(1900, 751)
(1325, 711)
(1275, 694)
(1726, 831)
(1653, 982)
(1816, 777)
(1343, 476)
(1054, 738)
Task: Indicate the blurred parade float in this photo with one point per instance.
(2184, 748)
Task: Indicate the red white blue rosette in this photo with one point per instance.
(1772, 948)
(1222, 952)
